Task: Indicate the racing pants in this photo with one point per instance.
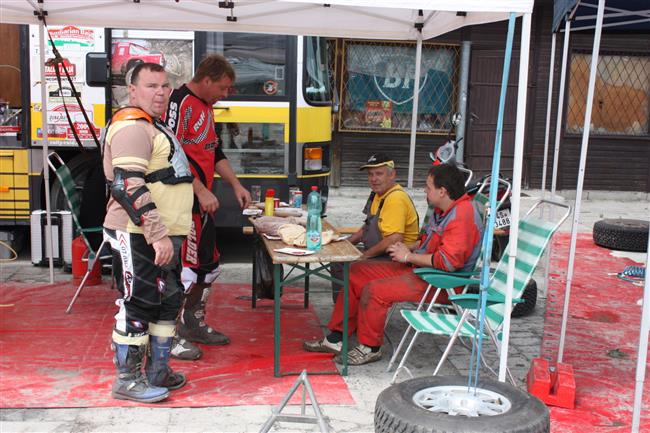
(151, 293)
(374, 287)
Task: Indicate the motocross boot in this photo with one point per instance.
(191, 326)
(131, 384)
(159, 373)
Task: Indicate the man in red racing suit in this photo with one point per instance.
(451, 242)
(190, 116)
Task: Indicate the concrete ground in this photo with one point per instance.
(365, 382)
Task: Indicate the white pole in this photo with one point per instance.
(515, 201)
(49, 247)
(549, 99)
(560, 105)
(414, 115)
(643, 347)
(547, 133)
(581, 171)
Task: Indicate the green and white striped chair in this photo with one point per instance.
(73, 197)
(534, 236)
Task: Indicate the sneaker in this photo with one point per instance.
(323, 346)
(360, 355)
(184, 350)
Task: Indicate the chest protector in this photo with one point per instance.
(179, 169)
(177, 172)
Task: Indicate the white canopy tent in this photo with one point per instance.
(369, 19)
(624, 14)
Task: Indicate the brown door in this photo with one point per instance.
(482, 109)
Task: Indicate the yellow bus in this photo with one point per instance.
(275, 128)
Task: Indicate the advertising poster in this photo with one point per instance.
(379, 114)
(73, 44)
(171, 49)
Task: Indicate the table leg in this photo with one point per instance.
(277, 284)
(346, 302)
(255, 270)
(306, 299)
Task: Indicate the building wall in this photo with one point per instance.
(616, 163)
(613, 163)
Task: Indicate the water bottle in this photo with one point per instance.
(314, 224)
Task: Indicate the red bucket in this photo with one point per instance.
(79, 265)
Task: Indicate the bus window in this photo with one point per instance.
(315, 77)
(259, 61)
(253, 148)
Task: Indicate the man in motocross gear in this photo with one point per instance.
(190, 116)
(147, 217)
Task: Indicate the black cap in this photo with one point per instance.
(377, 160)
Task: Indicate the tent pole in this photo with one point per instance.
(547, 132)
(560, 105)
(414, 115)
(515, 201)
(581, 172)
(462, 99)
(549, 100)
(643, 347)
(49, 244)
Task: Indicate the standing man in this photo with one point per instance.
(147, 217)
(190, 116)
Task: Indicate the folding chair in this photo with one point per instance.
(534, 236)
(480, 200)
(73, 197)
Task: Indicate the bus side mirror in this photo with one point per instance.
(97, 69)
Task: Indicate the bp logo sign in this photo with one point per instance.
(377, 73)
(397, 83)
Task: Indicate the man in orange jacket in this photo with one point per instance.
(451, 242)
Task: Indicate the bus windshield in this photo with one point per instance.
(316, 80)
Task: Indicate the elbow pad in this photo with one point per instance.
(119, 193)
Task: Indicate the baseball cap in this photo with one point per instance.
(377, 160)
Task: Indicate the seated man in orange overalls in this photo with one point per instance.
(451, 242)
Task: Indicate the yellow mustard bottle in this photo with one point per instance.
(268, 202)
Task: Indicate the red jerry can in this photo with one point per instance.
(80, 264)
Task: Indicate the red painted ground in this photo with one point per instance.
(603, 317)
(50, 359)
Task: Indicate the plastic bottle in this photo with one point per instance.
(269, 205)
(314, 224)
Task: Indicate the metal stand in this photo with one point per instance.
(303, 417)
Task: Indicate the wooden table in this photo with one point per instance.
(334, 252)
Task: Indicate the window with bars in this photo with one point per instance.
(377, 85)
(621, 104)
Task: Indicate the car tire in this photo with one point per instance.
(622, 234)
(529, 296)
(530, 300)
(499, 244)
(78, 166)
(398, 408)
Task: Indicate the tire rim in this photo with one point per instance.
(462, 401)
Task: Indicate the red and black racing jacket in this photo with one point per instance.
(191, 119)
(453, 237)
